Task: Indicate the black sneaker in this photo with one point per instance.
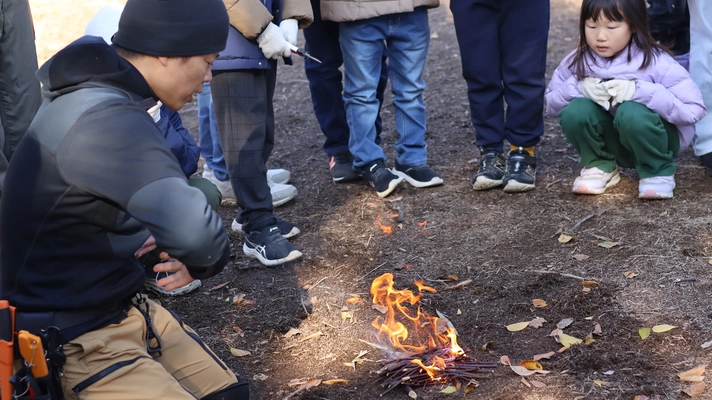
(152, 279)
(341, 167)
(287, 229)
(381, 178)
(521, 171)
(419, 176)
(491, 172)
(269, 247)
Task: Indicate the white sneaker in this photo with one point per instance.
(595, 181)
(657, 187)
(225, 188)
(281, 193)
(278, 175)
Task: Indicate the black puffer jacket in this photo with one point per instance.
(670, 24)
(91, 179)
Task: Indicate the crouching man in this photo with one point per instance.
(91, 186)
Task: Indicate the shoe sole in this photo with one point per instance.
(252, 253)
(583, 189)
(651, 194)
(191, 287)
(482, 183)
(237, 228)
(392, 185)
(518, 187)
(433, 182)
(277, 203)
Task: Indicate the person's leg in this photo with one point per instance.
(204, 124)
(589, 128)
(211, 192)
(114, 360)
(701, 70)
(19, 88)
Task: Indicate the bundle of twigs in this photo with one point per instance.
(402, 371)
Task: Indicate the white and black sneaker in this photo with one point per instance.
(269, 247)
(286, 228)
(520, 175)
(381, 178)
(491, 171)
(419, 176)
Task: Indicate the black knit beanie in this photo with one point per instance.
(173, 28)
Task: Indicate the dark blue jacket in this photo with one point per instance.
(180, 141)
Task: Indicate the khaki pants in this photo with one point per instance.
(112, 363)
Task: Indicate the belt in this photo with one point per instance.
(70, 323)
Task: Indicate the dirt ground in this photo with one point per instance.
(657, 272)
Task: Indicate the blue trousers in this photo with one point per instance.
(503, 51)
(326, 84)
(210, 147)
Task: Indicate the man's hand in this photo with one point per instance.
(289, 28)
(272, 42)
(179, 277)
(620, 90)
(593, 89)
(147, 247)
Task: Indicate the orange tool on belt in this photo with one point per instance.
(7, 353)
(33, 353)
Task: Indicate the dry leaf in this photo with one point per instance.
(238, 299)
(312, 383)
(335, 382)
(537, 322)
(449, 390)
(307, 286)
(239, 331)
(587, 340)
(297, 382)
(521, 371)
(239, 353)
(531, 364)
(608, 245)
(586, 290)
(644, 333)
(663, 328)
(565, 238)
(706, 344)
(693, 375)
(292, 332)
(380, 308)
(504, 360)
(259, 377)
(695, 390)
(538, 384)
(216, 287)
(564, 323)
(597, 329)
(459, 285)
(589, 283)
(539, 303)
(248, 302)
(567, 340)
(346, 315)
(630, 274)
(600, 383)
(354, 300)
(581, 257)
(449, 278)
(472, 385)
(524, 381)
(312, 336)
(489, 346)
(544, 356)
(518, 326)
(609, 372)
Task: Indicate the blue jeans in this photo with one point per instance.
(325, 82)
(407, 37)
(701, 68)
(210, 147)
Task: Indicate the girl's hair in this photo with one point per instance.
(632, 12)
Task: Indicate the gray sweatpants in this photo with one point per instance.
(19, 88)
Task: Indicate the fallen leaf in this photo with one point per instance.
(706, 344)
(587, 340)
(544, 356)
(565, 238)
(239, 331)
(521, 371)
(695, 389)
(600, 383)
(597, 329)
(459, 312)
(354, 300)
(297, 382)
(380, 308)
(539, 303)
(531, 364)
(586, 290)
(449, 390)
(609, 372)
(608, 245)
(459, 285)
(581, 257)
(292, 332)
(449, 278)
(346, 315)
(313, 383)
(564, 323)
(567, 340)
(589, 283)
(663, 328)
(248, 302)
(238, 299)
(630, 274)
(239, 353)
(504, 360)
(526, 382)
(472, 385)
(538, 384)
(644, 333)
(693, 375)
(335, 382)
(307, 286)
(518, 326)
(555, 332)
(312, 336)
(216, 287)
(537, 322)
(259, 377)
(489, 346)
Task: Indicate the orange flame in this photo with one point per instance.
(404, 325)
(385, 228)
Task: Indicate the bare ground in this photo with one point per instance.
(507, 244)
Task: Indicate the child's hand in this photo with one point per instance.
(620, 90)
(593, 89)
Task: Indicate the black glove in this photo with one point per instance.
(706, 160)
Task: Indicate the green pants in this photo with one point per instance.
(636, 137)
(211, 192)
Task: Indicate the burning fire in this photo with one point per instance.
(404, 319)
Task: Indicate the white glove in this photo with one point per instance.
(620, 90)
(272, 42)
(289, 28)
(155, 112)
(593, 89)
